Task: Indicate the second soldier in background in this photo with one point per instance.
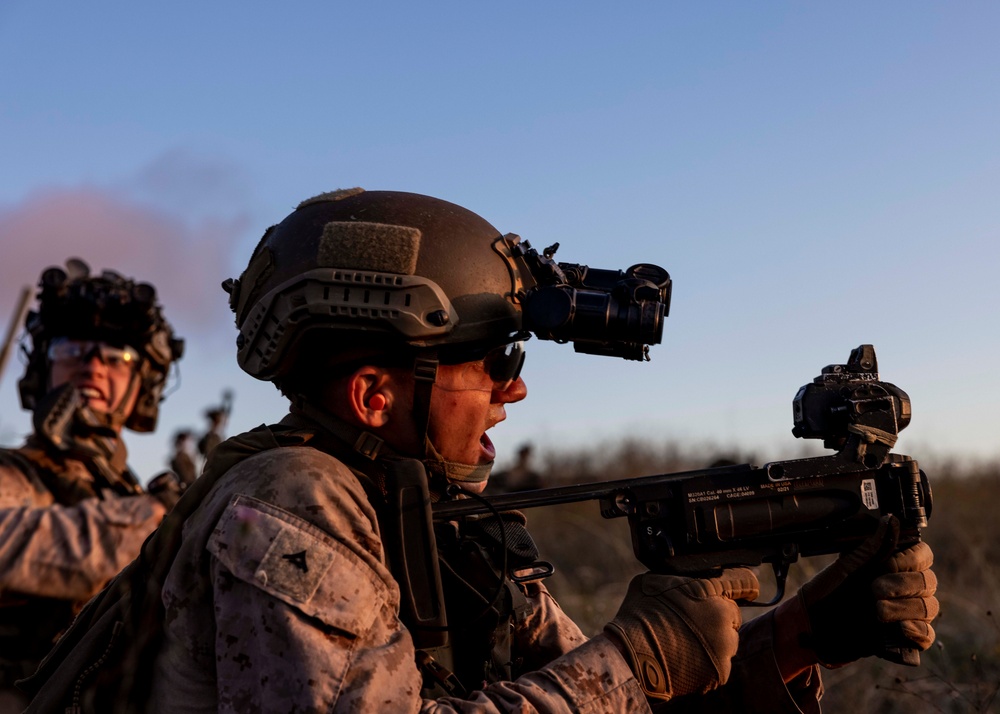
(72, 513)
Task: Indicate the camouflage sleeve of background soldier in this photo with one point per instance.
(306, 614)
(66, 552)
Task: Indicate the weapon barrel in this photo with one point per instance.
(575, 493)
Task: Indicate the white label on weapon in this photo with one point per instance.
(869, 496)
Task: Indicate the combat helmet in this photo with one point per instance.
(106, 307)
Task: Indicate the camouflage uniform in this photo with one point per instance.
(280, 600)
(62, 538)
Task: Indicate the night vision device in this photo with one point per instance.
(603, 312)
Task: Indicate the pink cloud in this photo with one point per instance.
(185, 261)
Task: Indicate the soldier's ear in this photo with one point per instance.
(371, 396)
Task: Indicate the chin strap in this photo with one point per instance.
(453, 471)
(425, 367)
(118, 416)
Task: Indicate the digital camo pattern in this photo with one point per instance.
(57, 549)
(279, 600)
(67, 552)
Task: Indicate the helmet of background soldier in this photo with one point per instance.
(356, 266)
(110, 308)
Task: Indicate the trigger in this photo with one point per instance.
(780, 577)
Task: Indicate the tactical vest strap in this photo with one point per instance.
(438, 681)
(360, 450)
(484, 606)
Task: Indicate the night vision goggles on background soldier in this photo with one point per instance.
(395, 324)
(72, 513)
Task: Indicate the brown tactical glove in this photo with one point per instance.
(167, 488)
(872, 601)
(678, 634)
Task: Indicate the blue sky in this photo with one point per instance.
(814, 176)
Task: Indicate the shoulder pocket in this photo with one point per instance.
(297, 563)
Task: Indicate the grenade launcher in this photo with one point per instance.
(698, 522)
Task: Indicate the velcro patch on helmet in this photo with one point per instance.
(330, 196)
(376, 247)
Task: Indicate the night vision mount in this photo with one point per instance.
(602, 312)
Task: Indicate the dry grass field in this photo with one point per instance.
(960, 674)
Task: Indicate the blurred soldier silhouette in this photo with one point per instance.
(217, 419)
(519, 477)
(182, 462)
(72, 513)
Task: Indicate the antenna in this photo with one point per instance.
(17, 319)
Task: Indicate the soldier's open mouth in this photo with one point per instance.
(91, 393)
(487, 445)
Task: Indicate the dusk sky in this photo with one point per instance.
(813, 175)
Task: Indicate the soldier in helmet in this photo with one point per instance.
(392, 323)
(72, 513)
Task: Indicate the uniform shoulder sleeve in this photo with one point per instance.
(19, 485)
(318, 489)
(298, 563)
(71, 552)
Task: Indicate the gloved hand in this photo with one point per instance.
(679, 634)
(166, 487)
(871, 597)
